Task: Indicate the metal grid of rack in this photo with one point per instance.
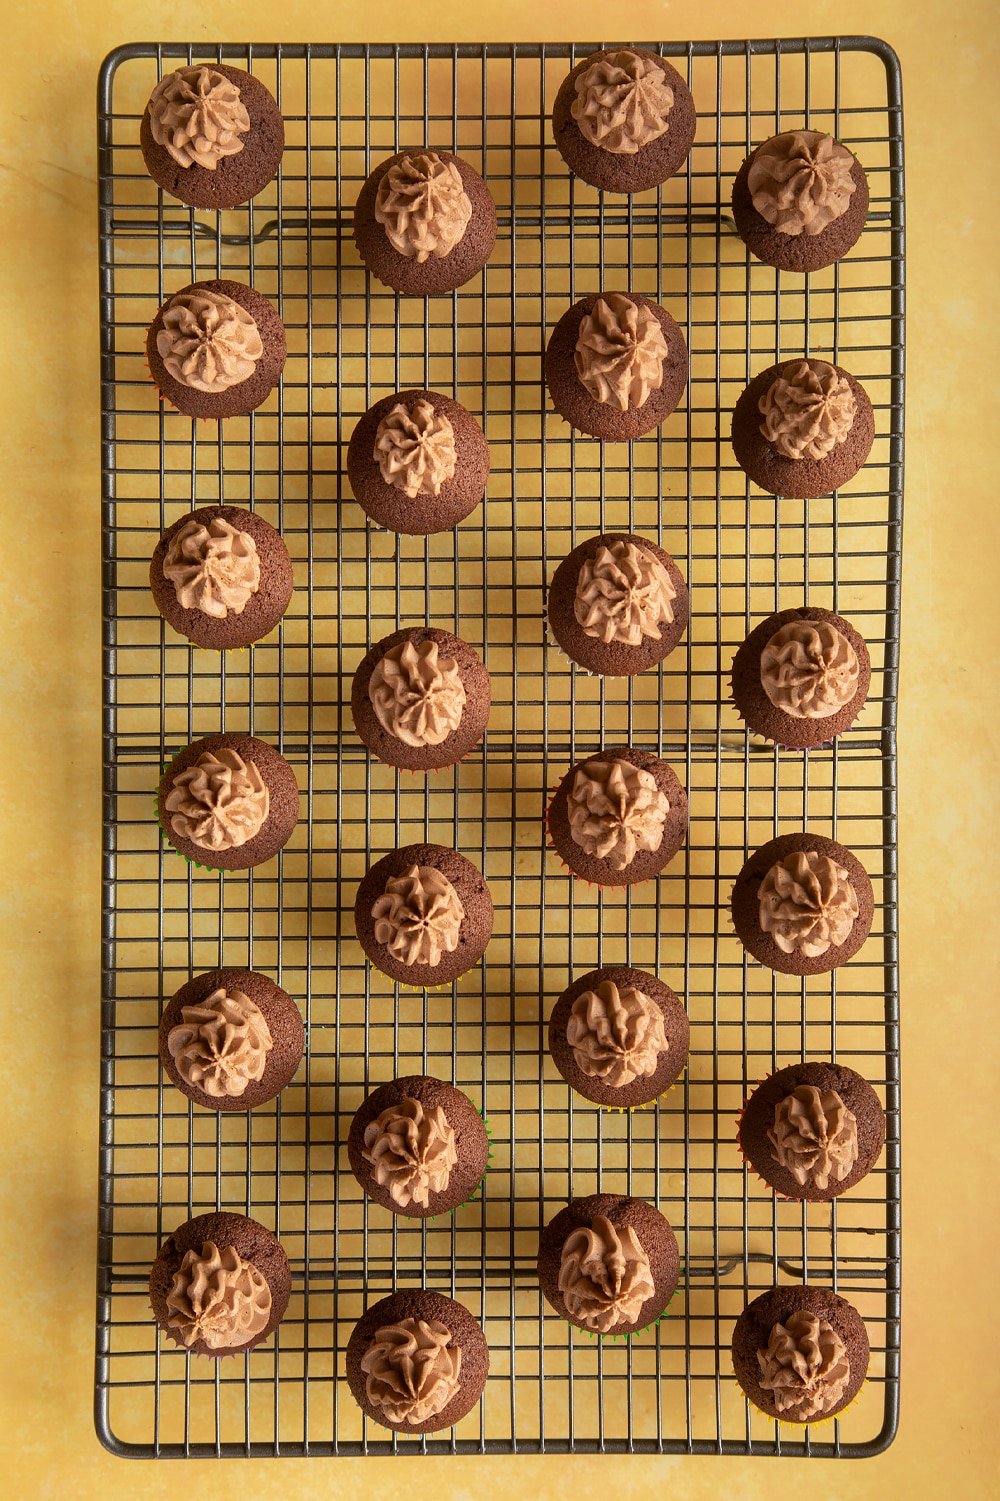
(744, 554)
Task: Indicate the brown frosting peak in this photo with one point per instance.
(616, 1035)
(208, 342)
(814, 1136)
(419, 916)
(623, 594)
(423, 206)
(622, 102)
(412, 1370)
(807, 410)
(220, 802)
(604, 1276)
(218, 1298)
(417, 693)
(801, 181)
(197, 115)
(620, 350)
(807, 904)
(415, 449)
(412, 1150)
(213, 567)
(615, 810)
(220, 1044)
(809, 669)
(805, 1366)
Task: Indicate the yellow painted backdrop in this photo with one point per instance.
(51, 750)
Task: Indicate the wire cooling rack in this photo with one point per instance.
(745, 554)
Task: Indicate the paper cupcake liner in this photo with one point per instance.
(631, 1333)
(646, 1104)
(423, 771)
(420, 989)
(799, 1427)
(800, 750)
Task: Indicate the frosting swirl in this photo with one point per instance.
(622, 102)
(623, 594)
(208, 342)
(213, 567)
(620, 350)
(801, 181)
(197, 116)
(814, 1136)
(220, 802)
(412, 1151)
(220, 1044)
(615, 810)
(807, 409)
(417, 693)
(218, 1298)
(419, 916)
(807, 904)
(604, 1275)
(422, 204)
(805, 1366)
(412, 1370)
(809, 669)
(616, 1035)
(415, 449)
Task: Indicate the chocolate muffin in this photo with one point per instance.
(421, 699)
(424, 915)
(216, 349)
(609, 1264)
(230, 1039)
(418, 462)
(800, 1353)
(616, 365)
(220, 1285)
(800, 200)
(228, 802)
(618, 604)
(619, 1037)
(803, 428)
(418, 1147)
(417, 1362)
(801, 677)
(222, 577)
(618, 817)
(624, 120)
(803, 904)
(425, 222)
(211, 135)
(812, 1130)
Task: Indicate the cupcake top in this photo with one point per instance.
(216, 349)
(617, 604)
(418, 1146)
(619, 1036)
(618, 817)
(424, 221)
(424, 915)
(803, 904)
(421, 698)
(801, 677)
(803, 428)
(801, 181)
(228, 801)
(608, 1264)
(807, 409)
(417, 1362)
(800, 1353)
(196, 114)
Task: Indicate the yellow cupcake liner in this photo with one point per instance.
(646, 1104)
(792, 1425)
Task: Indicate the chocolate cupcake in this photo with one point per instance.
(424, 915)
(624, 120)
(221, 577)
(230, 1039)
(803, 904)
(417, 1362)
(418, 462)
(803, 428)
(220, 1285)
(425, 222)
(619, 1037)
(812, 1130)
(616, 365)
(609, 1264)
(800, 1353)
(418, 1147)
(618, 604)
(800, 201)
(216, 349)
(618, 817)
(801, 677)
(211, 135)
(228, 802)
(421, 699)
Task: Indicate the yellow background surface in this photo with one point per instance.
(51, 746)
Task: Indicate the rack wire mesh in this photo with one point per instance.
(745, 554)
